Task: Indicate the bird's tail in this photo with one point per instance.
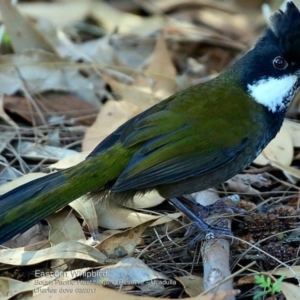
(24, 206)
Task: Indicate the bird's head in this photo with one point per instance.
(271, 70)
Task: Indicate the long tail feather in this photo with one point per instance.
(24, 206)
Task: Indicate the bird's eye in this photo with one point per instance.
(280, 63)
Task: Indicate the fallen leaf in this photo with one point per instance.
(85, 207)
(280, 150)
(290, 291)
(39, 152)
(123, 243)
(23, 34)
(193, 285)
(111, 116)
(10, 287)
(128, 271)
(64, 227)
(64, 250)
(49, 106)
(293, 129)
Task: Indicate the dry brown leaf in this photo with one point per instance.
(166, 6)
(242, 183)
(126, 23)
(134, 94)
(128, 271)
(64, 250)
(10, 287)
(161, 63)
(85, 207)
(123, 243)
(292, 272)
(50, 106)
(5, 117)
(119, 218)
(289, 170)
(193, 285)
(290, 291)
(169, 218)
(235, 25)
(161, 59)
(37, 71)
(245, 280)
(111, 116)
(33, 236)
(64, 227)
(59, 13)
(280, 150)
(293, 129)
(23, 34)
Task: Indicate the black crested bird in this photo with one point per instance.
(191, 141)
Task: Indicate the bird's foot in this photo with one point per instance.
(219, 230)
(196, 212)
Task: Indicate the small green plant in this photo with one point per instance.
(265, 283)
(6, 39)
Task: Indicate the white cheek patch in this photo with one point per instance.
(274, 93)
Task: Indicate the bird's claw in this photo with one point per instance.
(206, 231)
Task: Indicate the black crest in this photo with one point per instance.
(284, 31)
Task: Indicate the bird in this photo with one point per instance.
(193, 140)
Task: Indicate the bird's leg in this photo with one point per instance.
(219, 207)
(196, 212)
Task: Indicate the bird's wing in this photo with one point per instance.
(172, 144)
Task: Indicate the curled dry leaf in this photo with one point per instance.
(85, 207)
(118, 218)
(128, 271)
(242, 183)
(10, 287)
(123, 243)
(64, 250)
